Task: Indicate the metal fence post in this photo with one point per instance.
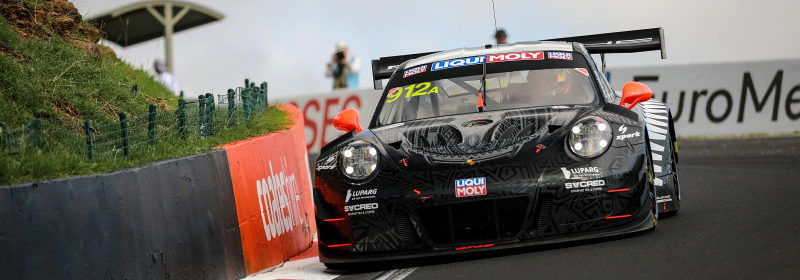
(123, 125)
(255, 95)
(87, 127)
(231, 108)
(210, 113)
(264, 87)
(246, 103)
(201, 119)
(151, 125)
(35, 133)
(181, 117)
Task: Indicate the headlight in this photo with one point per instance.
(358, 159)
(589, 137)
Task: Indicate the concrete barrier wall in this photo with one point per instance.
(271, 183)
(171, 219)
(187, 218)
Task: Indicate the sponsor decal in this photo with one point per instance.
(279, 201)
(360, 209)
(355, 195)
(581, 172)
(471, 187)
(664, 198)
(328, 163)
(457, 62)
(622, 129)
(515, 56)
(585, 186)
(415, 70)
(503, 57)
(583, 71)
(559, 55)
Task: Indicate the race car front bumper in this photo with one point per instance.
(408, 216)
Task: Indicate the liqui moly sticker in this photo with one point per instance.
(415, 70)
(559, 55)
(457, 62)
(471, 187)
(515, 56)
(492, 58)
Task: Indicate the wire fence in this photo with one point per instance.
(204, 117)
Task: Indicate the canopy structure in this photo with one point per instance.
(143, 21)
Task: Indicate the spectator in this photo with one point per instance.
(166, 78)
(343, 68)
(500, 35)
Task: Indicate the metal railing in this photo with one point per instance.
(202, 117)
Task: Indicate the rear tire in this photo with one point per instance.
(651, 175)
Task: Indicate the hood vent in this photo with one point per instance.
(434, 136)
(517, 128)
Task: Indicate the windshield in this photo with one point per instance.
(451, 87)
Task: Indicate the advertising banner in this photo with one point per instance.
(320, 109)
(271, 185)
(724, 98)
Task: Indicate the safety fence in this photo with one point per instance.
(112, 140)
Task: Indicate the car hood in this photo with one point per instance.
(461, 140)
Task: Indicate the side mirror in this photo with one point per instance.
(347, 121)
(635, 92)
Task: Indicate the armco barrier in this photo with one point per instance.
(271, 183)
(172, 219)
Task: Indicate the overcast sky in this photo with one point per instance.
(287, 43)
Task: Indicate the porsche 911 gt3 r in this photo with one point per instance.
(495, 147)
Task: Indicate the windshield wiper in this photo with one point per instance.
(482, 90)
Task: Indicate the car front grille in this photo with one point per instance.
(472, 221)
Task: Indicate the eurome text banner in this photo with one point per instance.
(724, 98)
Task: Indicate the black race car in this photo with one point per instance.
(495, 147)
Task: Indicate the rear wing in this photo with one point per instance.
(383, 67)
(641, 40)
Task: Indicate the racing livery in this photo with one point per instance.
(497, 147)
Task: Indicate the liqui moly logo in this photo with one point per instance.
(279, 199)
(457, 62)
(471, 187)
(515, 56)
(415, 70)
(492, 58)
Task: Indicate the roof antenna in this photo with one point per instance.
(494, 15)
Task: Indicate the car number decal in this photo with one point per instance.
(411, 91)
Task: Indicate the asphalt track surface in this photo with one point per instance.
(739, 220)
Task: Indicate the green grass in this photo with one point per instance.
(58, 74)
(49, 77)
(52, 161)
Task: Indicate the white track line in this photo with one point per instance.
(396, 274)
(309, 269)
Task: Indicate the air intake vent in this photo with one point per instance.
(404, 228)
(545, 206)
